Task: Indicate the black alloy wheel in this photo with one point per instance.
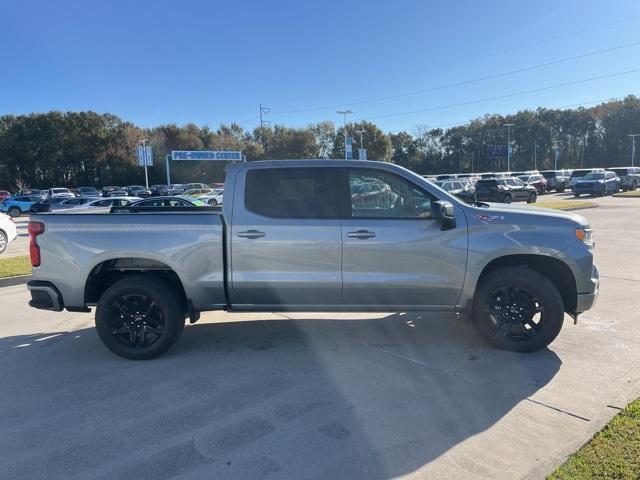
(140, 317)
(517, 308)
(514, 312)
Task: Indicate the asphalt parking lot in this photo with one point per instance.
(320, 395)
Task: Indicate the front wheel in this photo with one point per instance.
(560, 189)
(14, 212)
(603, 191)
(140, 317)
(532, 198)
(634, 185)
(4, 241)
(507, 198)
(517, 309)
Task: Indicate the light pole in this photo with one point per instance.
(633, 147)
(344, 114)
(508, 125)
(555, 155)
(362, 154)
(535, 154)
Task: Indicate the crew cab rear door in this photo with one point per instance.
(285, 238)
(394, 252)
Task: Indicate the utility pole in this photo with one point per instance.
(263, 113)
(535, 154)
(344, 114)
(460, 161)
(555, 154)
(633, 147)
(584, 146)
(508, 125)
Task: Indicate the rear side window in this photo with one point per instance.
(291, 192)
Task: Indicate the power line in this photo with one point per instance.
(522, 46)
(466, 82)
(514, 94)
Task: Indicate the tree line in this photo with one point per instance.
(87, 148)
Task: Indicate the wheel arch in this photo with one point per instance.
(107, 272)
(557, 271)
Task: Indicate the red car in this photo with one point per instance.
(4, 194)
(536, 181)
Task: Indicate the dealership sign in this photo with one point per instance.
(206, 155)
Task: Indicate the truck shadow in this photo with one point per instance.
(311, 398)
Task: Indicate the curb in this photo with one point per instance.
(10, 281)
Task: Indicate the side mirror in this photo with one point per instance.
(444, 212)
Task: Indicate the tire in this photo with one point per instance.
(576, 195)
(532, 198)
(4, 241)
(14, 212)
(560, 189)
(634, 185)
(507, 198)
(213, 202)
(603, 191)
(517, 329)
(140, 317)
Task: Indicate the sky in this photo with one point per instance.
(400, 64)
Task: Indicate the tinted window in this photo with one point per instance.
(486, 183)
(549, 174)
(621, 172)
(579, 173)
(290, 192)
(374, 193)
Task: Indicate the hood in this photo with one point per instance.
(543, 214)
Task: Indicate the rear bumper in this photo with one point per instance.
(45, 296)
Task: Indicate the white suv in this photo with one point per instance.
(7, 231)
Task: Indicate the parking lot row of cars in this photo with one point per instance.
(507, 187)
(54, 199)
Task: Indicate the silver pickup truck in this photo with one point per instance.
(316, 235)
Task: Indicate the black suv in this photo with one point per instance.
(505, 190)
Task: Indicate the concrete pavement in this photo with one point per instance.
(320, 395)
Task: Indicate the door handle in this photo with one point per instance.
(251, 234)
(361, 234)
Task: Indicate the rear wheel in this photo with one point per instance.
(140, 317)
(14, 212)
(4, 241)
(517, 309)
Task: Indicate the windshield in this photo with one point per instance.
(549, 174)
(60, 190)
(593, 176)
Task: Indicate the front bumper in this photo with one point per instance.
(585, 301)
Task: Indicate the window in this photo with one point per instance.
(290, 192)
(379, 194)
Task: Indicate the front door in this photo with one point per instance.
(394, 253)
(285, 238)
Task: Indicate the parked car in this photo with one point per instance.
(46, 204)
(191, 186)
(579, 173)
(4, 194)
(629, 177)
(113, 191)
(557, 180)
(505, 190)
(196, 192)
(214, 198)
(108, 202)
(59, 193)
(314, 245)
(536, 180)
(461, 189)
(16, 206)
(33, 192)
(8, 232)
(69, 203)
(597, 183)
(447, 176)
(157, 190)
(88, 191)
(175, 189)
(138, 191)
(174, 201)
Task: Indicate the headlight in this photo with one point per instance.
(586, 236)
